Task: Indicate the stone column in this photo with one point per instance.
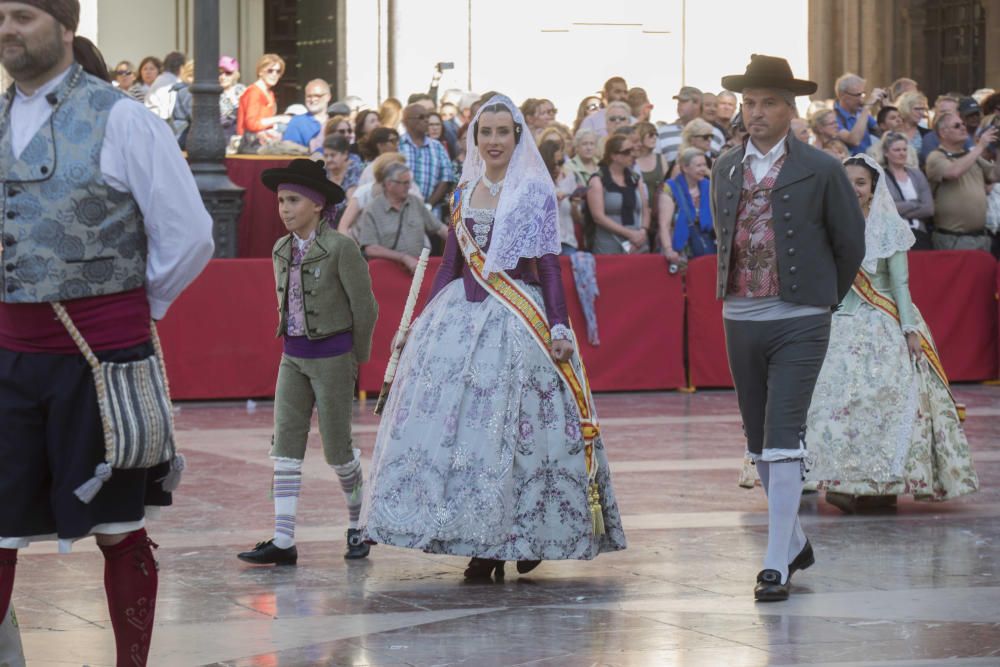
(392, 43)
(992, 73)
(206, 143)
(822, 47)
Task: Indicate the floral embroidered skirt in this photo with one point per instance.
(479, 452)
(880, 424)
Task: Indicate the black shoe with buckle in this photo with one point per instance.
(803, 561)
(769, 587)
(266, 553)
(356, 547)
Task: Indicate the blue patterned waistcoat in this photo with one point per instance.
(66, 233)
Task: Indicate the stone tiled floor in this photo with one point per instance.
(916, 586)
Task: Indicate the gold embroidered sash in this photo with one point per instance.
(864, 288)
(519, 302)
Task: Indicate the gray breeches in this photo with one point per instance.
(775, 364)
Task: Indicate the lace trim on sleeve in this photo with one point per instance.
(562, 332)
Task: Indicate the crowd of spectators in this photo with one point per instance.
(626, 183)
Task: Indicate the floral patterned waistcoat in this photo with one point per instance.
(753, 270)
(66, 233)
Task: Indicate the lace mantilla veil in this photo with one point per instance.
(525, 224)
(886, 233)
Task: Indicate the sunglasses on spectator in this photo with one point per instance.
(853, 94)
(617, 119)
(123, 72)
(407, 182)
(955, 126)
(630, 151)
(273, 70)
(707, 137)
(343, 131)
(920, 109)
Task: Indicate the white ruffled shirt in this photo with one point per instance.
(760, 163)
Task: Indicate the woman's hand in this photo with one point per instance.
(913, 343)
(674, 257)
(399, 341)
(562, 350)
(638, 238)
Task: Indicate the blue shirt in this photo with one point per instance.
(302, 129)
(847, 122)
(429, 163)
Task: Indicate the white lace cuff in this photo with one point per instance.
(910, 328)
(562, 332)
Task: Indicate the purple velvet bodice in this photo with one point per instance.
(543, 272)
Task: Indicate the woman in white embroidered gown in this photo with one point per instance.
(883, 421)
(481, 450)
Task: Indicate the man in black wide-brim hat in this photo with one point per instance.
(791, 238)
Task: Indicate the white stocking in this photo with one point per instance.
(798, 537)
(784, 492)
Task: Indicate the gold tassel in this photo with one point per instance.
(596, 513)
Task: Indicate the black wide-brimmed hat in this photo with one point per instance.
(308, 173)
(768, 72)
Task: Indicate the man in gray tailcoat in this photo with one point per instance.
(791, 238)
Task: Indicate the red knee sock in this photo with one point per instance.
(130, 580)
(8, 563)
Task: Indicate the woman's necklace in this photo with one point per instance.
(494, 188)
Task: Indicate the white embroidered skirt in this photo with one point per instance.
(479, 452)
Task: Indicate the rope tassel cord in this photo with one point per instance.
(404, 328)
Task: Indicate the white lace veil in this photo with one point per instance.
(525, 223)
(886, 233)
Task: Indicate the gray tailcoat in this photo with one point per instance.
(819, 229)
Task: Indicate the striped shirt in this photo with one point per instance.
(668, 141)
(429, 163)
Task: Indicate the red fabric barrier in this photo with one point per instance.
(218, 337)
(954, 290)
(259, 225)
(219, 342)
(640, 318)
(707, 361)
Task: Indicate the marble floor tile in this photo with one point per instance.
(918, 585)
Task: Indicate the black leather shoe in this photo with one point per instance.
(480, 569)
(769, 587)
(526, 566)
(265, 553)
(356, 547)
(803, 561)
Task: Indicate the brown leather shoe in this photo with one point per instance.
(845, 502)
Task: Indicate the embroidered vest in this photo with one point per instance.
(66, 233)
(753, 269)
